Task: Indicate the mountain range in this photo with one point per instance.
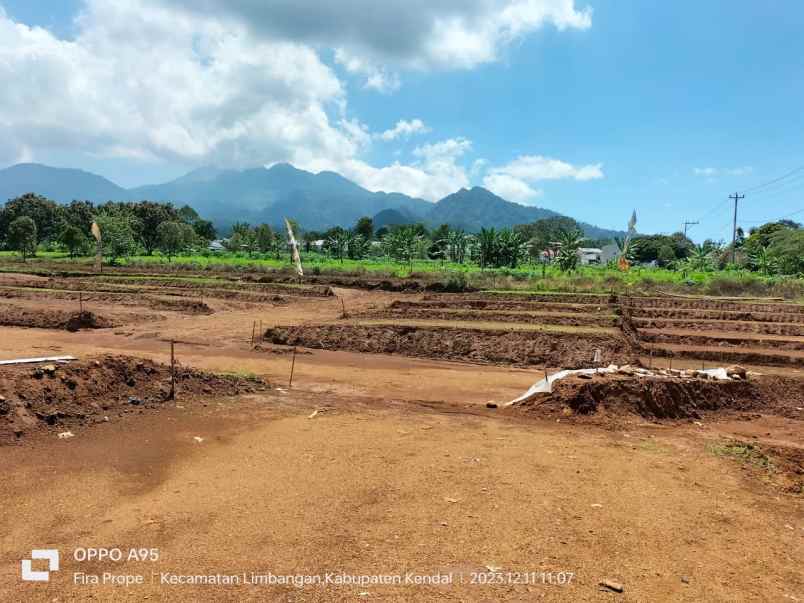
(316, 201)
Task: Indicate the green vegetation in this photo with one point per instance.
(743, 452)
(542, 256)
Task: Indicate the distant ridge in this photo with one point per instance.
(316, 201)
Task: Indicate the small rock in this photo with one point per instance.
(49, 369)
(685, 579)
(198, 439)
(133, 400)
(66, 435)
(584, 376)
(597, 506)
(491, 405)
(612, 585)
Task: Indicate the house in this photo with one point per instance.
(589, 255)
(609, 252)
(217, 245)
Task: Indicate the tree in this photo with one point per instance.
(439, 242)
(569, 242)
(22, 236)
(172, 237)
(543, 234)
(457, 245)
(205, 230)
(787, 250)
(404, 243)
(46, 215)
(150, 215)
(264, 238)
(73, 240)
(364, 227)
(117, 235)
(79, 214)
(187, 214)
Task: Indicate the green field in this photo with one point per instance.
(534, 277)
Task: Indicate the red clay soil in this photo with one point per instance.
(606, 396)
(502, 316)
(560, 298)
(769, 328)
(454, 302)
(712, 304)
(12, 316)
(728, 355)
(468, 345)
(57, 396)
(717, 338)
(694, 314)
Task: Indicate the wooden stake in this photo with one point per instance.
(262, 333)
(172, 371)
(292, 367)
(253, 326)
(343, 306)
(80, 302)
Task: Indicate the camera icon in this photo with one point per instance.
(52, 557)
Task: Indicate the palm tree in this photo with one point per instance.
(569, 241)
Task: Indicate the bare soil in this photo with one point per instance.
(372, 462)
(56, 396)
(481, 346)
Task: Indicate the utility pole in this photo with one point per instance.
(736, 198)
(686, 224)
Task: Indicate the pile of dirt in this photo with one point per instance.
(57, 396)
(179, 304)
(14, 316)
(85, 320)
(484, 346)
(609, 396)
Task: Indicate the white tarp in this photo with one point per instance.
(545, 386)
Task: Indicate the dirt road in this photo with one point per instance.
(372, 488)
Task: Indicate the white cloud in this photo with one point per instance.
(434, 174)
(158, 80)
(142, 81)
(404, 129)
(376, 38)
(513, 180)
(532, 168)
(510, 188)
(711, 172)
(377, 77)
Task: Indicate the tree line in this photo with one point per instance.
(31, 221)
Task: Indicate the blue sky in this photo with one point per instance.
(590, 109)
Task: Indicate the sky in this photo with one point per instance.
(589, 108)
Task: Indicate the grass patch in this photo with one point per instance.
(744, 452)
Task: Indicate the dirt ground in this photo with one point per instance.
(376, 464)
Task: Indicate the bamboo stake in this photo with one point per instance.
(292, 367)
(172, 371)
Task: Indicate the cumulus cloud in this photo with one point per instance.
(513, 180)
(510, 188)
(404, 129)
(140, 80)
(243, 83)
(372, 37)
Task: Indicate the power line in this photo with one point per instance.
(795, 213)
(770, 182)
(686, 224)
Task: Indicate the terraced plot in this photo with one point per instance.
(720, 331)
